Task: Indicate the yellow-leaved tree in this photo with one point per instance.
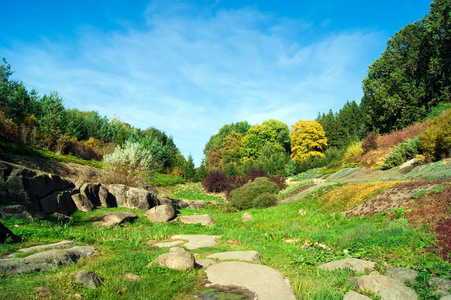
(308, 139)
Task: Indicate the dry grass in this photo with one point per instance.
(351, 195)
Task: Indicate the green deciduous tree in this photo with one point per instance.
(308, 140)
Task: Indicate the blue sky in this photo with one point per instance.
(189, 67)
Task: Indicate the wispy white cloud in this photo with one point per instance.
(189, 74)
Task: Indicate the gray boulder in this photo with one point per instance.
(385, 287)
(88, 279)
(103, 197)
(19, 186)
(116, 195)
(195, 219)
(82, 203)
(91, 192)
(140, 199)
(116, 218)
(402, 274)
(441, 285)
(60, 201)
(357, 265)
(160, 213)
(178, 260)
(15, 211)
(45, 260)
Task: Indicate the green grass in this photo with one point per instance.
(193, 191)
(9, 148)
(127, 248)
(158, 179)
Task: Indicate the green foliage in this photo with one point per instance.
(435, 141)
(353, 152)
(265, 200)
(127, 162)
(188, 169)
(402, 153)
(192, 191)
(158, 179)
(256, 138)
(243, 197)
(413, 74)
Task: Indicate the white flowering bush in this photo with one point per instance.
(128, 161)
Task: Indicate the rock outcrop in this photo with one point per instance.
(88, 279)
(44, 260)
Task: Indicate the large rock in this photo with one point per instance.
(385, 287)
(116, 195)
(7, 235)
(402, 274)
(160, 213)
(91, 192)
(44, 260)
(15, 211)
(266, 283)
(179, 260)
(357, 265)
(116, 218)
(140, 199)
(88, 279)
(195, 219)
(27, 186)
(105, 201)
(60, 201)
(82, 203)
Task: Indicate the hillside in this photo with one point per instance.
(294, 237)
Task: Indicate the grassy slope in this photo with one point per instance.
(384, 238)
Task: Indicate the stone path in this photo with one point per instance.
(261, 281)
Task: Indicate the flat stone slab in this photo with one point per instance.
(403, 274)
(45, 260)
(385, 287)
(204, 220)
(168, 244)
(251, 256)
(58, 245)
(266, 283)
(196, 241)
(358, 265)
(205, 262)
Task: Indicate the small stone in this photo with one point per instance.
(88, 279)
(302, 212)
(204, 262)
(246, 217)
(177, 250)
(132, 277)
(79, 296)
(43, 292)
(441, 285)
(358, 265)
(160, 213)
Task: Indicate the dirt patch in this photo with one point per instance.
(443, 245)
(392, 198)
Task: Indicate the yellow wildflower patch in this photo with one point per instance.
(351, 195)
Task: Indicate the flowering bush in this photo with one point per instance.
(128, 161)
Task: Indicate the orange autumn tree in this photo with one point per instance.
(308, 140)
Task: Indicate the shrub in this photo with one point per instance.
(253, 174)
(401, 153)
(83, 150)
(397, 137)
(435, 141)
(370, 142)
(265, 200)
(128, 161)
(243, 197)
(353, 153)
(215, 182)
